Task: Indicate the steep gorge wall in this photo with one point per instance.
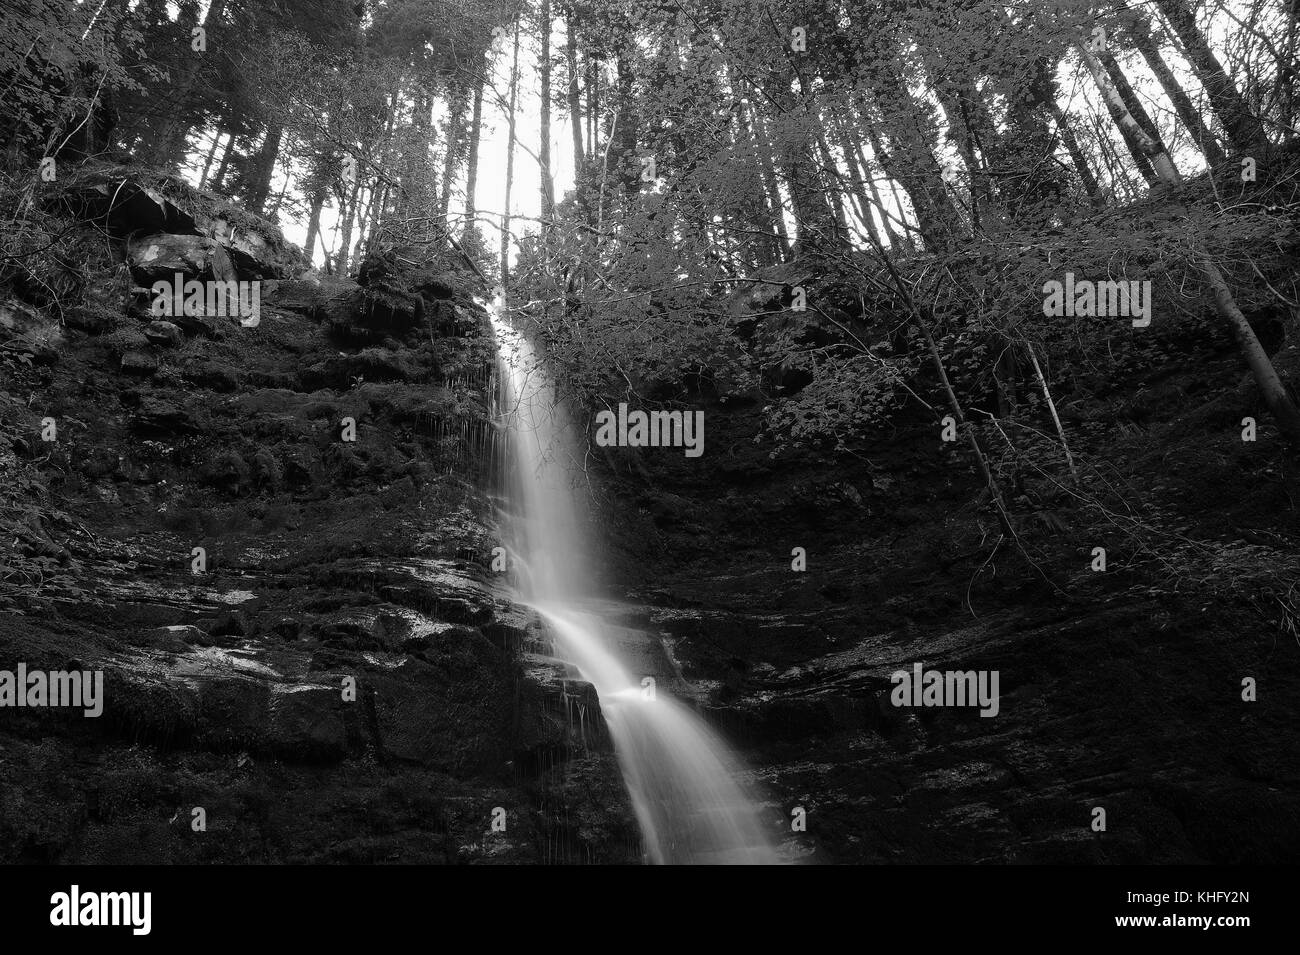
(1120, 690)
(345, 680)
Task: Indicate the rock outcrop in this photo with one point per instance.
(273, 541)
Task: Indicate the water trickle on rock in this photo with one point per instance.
(681, 776)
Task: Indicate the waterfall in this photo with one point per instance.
(681, 776)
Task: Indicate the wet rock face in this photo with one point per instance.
(274, 543)
(1119, 695)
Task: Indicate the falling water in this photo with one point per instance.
(680, 775)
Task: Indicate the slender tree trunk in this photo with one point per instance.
(858, 177)
(313, 223)
(347, 213)
(1110, 159)
(544, 152)
(510, 165)
(767, 175)
(1142, 144)
(912, 164)
(1051, 406)
(834, 191)
(378, 209)
(365, 216)
(591, 75)
(458, 104)
(1140, 30)
(627, 121)
(415, 143)
(868, 176)
(1275, 395)
(1081, 165)
(260, 185)
(220, 177)
(1131, 100)
(212, 152)
(378, 202)
(575, 100)
(594, 107)
(471, 175)
(1245, 132)
(954, 107)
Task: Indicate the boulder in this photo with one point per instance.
(163, 333)
(255, 255)
(139, 363)
(163, 255)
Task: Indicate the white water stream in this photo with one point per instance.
(681, 776)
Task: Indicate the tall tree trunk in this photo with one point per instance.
(575, 100)
(955, 105)
(510, 165)
(378, 201)
(912, 164)
(1245, 132)
(624, 136)
(834, 191)
(878, 153)
(457, 105)
(220, 177)
(858, 176)
(212, 152)
(1270, 386)
(814, 213)
(378, 209)
(767, 175)
(1140, 31)
(313, 223)
(1131, 101)
(347, 213)
(260, 183)
(594, 107)
(471, 174)
(544, 152)
(1081, 165)
(1147, 152)
(591, 75)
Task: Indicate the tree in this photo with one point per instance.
(1245, 132)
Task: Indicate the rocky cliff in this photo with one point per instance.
(1121, 689)
(273, 537)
